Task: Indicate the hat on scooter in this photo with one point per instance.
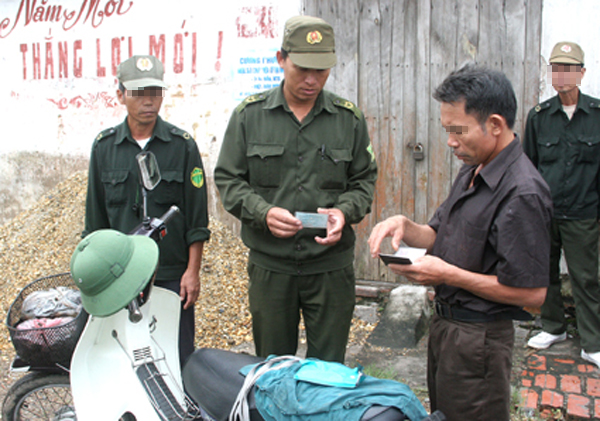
(111, 268)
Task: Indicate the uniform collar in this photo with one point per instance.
(583, 103)
(160, 131)
(278, 100)
(492, 173)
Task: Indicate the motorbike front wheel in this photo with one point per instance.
(39, 396)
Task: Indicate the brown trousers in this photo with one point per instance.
(468, 369)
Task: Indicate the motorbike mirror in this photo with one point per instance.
(149, 172)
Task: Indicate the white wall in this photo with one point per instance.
(59, 57)
(576, 21)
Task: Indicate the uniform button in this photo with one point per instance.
(569, 163)
(299, 247)
(300, 188)
(301, 158)
(300, 272)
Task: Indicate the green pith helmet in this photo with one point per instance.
(310, 42)
(111, 268)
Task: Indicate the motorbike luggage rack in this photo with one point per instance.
(163, 400)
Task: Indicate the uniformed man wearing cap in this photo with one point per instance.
(562, 139)
(114, 199)
(294, 148)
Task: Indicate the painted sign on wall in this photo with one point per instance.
(59, 62)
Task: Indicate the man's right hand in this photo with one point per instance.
(391, 227)
(282, 223)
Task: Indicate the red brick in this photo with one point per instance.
(593, 387)
(545, 381)
(570, 384)
(586, 368)
(537, 362)
(526, 382)
(561, 361)
(597, 408)
(553, 399)
(530, 398)
(578, 406)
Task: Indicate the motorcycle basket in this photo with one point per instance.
(45, 347)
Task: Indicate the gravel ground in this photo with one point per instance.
(39, 242)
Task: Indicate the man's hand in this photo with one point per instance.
(282, 223)
(189, 288)
(427, 270)
(391, 227)
(335, 223)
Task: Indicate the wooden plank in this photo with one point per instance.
(408, 106)
(423, 100)
(514, 50)
(375, 31)
(467, 42)
(532, 54)
(444, 24)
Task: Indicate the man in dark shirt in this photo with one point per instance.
(487, 245)
(562, 138)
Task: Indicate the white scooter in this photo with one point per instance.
(126, 366)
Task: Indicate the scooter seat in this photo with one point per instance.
(212, 379)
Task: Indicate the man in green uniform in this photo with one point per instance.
(114, 198)
(562, 139)
(297, 148)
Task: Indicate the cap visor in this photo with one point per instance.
(124, 289)
(564, 60)
(314, 60)
(144, 83)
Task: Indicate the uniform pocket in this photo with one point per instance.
(548, 149)
(333, 168)
(115, 187)
(170, 190)
(589, 148)
(265, 163)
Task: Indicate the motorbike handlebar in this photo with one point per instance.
(173, 210)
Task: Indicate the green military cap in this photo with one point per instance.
(309, 42)
(566, 52)
(139, 72)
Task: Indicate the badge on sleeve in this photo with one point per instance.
(197, 177)
(371, 151)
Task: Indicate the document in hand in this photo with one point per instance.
(403, 256)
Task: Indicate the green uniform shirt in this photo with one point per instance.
(269, 159)
(114, 198)
(567, 154)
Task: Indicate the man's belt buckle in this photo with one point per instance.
(443, 310)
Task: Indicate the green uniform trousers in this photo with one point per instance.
(579, 240)
(326, 301)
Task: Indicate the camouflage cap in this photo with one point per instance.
(310, 42)
(141, 72)
(566, 52)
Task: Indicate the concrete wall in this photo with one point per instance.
(59, 58)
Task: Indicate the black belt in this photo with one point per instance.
(462, 314)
